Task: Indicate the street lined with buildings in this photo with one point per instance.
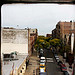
(21, 50)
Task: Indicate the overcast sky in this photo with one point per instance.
(44, 17)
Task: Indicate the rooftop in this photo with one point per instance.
(7, 65)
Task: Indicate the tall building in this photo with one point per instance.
(54, 33)
(64, 30)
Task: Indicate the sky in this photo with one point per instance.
(44, 17)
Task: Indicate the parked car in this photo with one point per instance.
(63, 67)
(60, 62)
(41, 51)
(66, 73)
(41, 55)
(43, 73)
(55, 55)
(57, 59)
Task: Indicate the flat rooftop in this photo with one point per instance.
(7, 65)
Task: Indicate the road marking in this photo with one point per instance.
(49, 59)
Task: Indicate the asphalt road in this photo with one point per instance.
(51, 67)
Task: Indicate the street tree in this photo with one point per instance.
(42, 42)
(55, 43)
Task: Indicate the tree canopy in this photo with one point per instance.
(42, 42)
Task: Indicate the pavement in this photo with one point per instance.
(69, 70)
(33, 65)
(51, 67)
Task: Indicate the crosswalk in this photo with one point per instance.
(49, 59)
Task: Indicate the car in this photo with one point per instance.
(63, 67)
(56, 56)
(57, 59)
(42, 69)
(42, 63)
(43, 73)
(41, 55)
(60, 62)
(66, 73)
(41, 51)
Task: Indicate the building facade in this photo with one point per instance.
(48, 35)
(14, 40)
(32, 34)
(17, 42)
(54, 33)
(64, 30)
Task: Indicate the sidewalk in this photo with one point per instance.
(69, 70)
(33, 64)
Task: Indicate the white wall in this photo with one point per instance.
(14, 40)
(10, 47)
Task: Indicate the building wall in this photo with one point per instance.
(32, 34)
(63, 30)
(14, 40)
(54, 33)
(7, 48)
(48, 35)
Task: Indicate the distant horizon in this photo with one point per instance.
(37, 29)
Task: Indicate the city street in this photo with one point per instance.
(51, 67)
(37, 39)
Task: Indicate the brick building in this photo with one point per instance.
(63, 30)
(33, 33)
(54, 33)
(48, 35)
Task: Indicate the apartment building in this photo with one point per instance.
(64, 30)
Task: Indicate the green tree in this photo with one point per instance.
(42, 42)
(46, 45)
(55, 43)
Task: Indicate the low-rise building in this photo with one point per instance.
(14, 40)
(48, 35)
(16, 46)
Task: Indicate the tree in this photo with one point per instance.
(46, 45)
(42, 42)
(55, 43)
